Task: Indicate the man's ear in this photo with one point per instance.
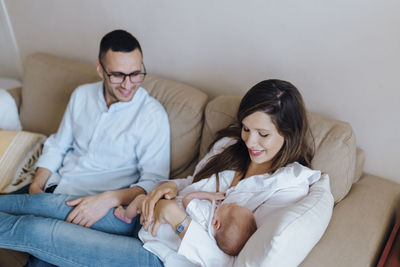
(99, 69)
(216, 223)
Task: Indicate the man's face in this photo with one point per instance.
(119, 63)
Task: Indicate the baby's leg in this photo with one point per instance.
(133, 209)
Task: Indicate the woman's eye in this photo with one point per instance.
(263, 135)
(245, 129)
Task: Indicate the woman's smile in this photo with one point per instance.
(255, 153)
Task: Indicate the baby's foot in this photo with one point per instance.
(119, 212)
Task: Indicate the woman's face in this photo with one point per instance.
(261, 137)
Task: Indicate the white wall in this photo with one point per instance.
(10, 63)
(343, 55)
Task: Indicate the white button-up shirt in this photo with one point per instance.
(98, 148)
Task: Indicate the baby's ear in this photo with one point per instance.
(216, 223)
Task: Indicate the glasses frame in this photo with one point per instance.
(144, 73)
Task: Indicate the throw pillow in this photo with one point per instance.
(18, 154)
(9, 119)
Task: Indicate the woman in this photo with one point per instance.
(266, 147)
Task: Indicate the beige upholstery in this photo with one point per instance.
(358, 226)
(185, 106)
(335, 143)
(335, 152)
(360, 219)
(49, 81)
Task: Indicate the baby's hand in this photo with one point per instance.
(217, 196)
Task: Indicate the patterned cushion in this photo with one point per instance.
(18, 154)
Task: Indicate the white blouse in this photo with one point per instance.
(263, 194)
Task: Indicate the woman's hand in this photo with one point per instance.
(167, 190)
(167, 211)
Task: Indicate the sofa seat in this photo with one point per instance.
(359, 226)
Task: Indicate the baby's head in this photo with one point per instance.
(233, 226)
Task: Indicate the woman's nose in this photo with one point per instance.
(251, 140)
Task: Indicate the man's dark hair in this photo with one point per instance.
(118, 41)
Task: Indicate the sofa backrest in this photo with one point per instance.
(49, 80)
(335, 144)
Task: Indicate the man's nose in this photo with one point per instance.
(127, 84)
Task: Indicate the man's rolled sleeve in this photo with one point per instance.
(51, 158)
(57, 145)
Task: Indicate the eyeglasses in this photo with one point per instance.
(119, 77)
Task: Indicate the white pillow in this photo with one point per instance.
(9, 119)
(289, 235)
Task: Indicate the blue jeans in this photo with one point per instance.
(35, 224)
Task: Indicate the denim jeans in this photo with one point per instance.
(35, 224)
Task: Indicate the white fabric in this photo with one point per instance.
(98, 148)
(202, 212)
(263, 194)
(287, 236)
(166, 244)
(9, 118)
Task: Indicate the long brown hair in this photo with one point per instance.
(284, 104)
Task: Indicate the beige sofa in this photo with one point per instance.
(364, 204)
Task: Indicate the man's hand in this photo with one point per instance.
(167, 190)
(35, 189)
(89, 209)
(39, 180)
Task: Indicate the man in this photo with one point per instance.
(113, 142)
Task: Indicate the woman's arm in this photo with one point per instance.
(168, 211)
(206, 252)
(167, 190)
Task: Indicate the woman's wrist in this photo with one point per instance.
(182, 227)
(176, 220)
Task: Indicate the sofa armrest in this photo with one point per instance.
(359, 225)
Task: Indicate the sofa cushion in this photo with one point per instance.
(335, 142)
(49, 81)
(185, 107)
(18, 154)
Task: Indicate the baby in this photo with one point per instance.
(230, 224)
